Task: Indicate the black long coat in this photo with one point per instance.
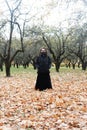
(43, 64)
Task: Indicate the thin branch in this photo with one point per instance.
(8, 5)
(15, 55)
(17, 5)
(49, 47)
(12, 11)
(21, 35)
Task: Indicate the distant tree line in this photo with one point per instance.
(68, 47)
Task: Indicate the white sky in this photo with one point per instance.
(51, 16)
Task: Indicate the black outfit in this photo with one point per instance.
(43, 64)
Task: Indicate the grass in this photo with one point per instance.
(20, 70)
(30, 69)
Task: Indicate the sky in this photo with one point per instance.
(44, 9)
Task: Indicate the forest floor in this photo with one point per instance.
(62, 108)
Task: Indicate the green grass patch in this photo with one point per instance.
(30, 69)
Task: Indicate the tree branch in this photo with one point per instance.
(51, 51)
(15, 55)
(21, 35)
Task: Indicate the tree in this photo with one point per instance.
(71, 60)
(56, 42)
(78, 45)
(1, 64)
(12, 22)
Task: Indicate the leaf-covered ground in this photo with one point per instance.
(62, 108)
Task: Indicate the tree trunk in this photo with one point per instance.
(83, 66)
(78, 64)
(24, 65)
(17, 65)
(1, 67)
(73, 65)
(34, 64)
(7, 68)
(57, 65)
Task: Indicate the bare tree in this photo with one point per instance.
(78, 45)
(7, 57)
(57, 47)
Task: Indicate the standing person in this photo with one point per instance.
(43, 64)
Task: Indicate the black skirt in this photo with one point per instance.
(43, 81)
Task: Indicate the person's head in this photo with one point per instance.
(43, 51)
